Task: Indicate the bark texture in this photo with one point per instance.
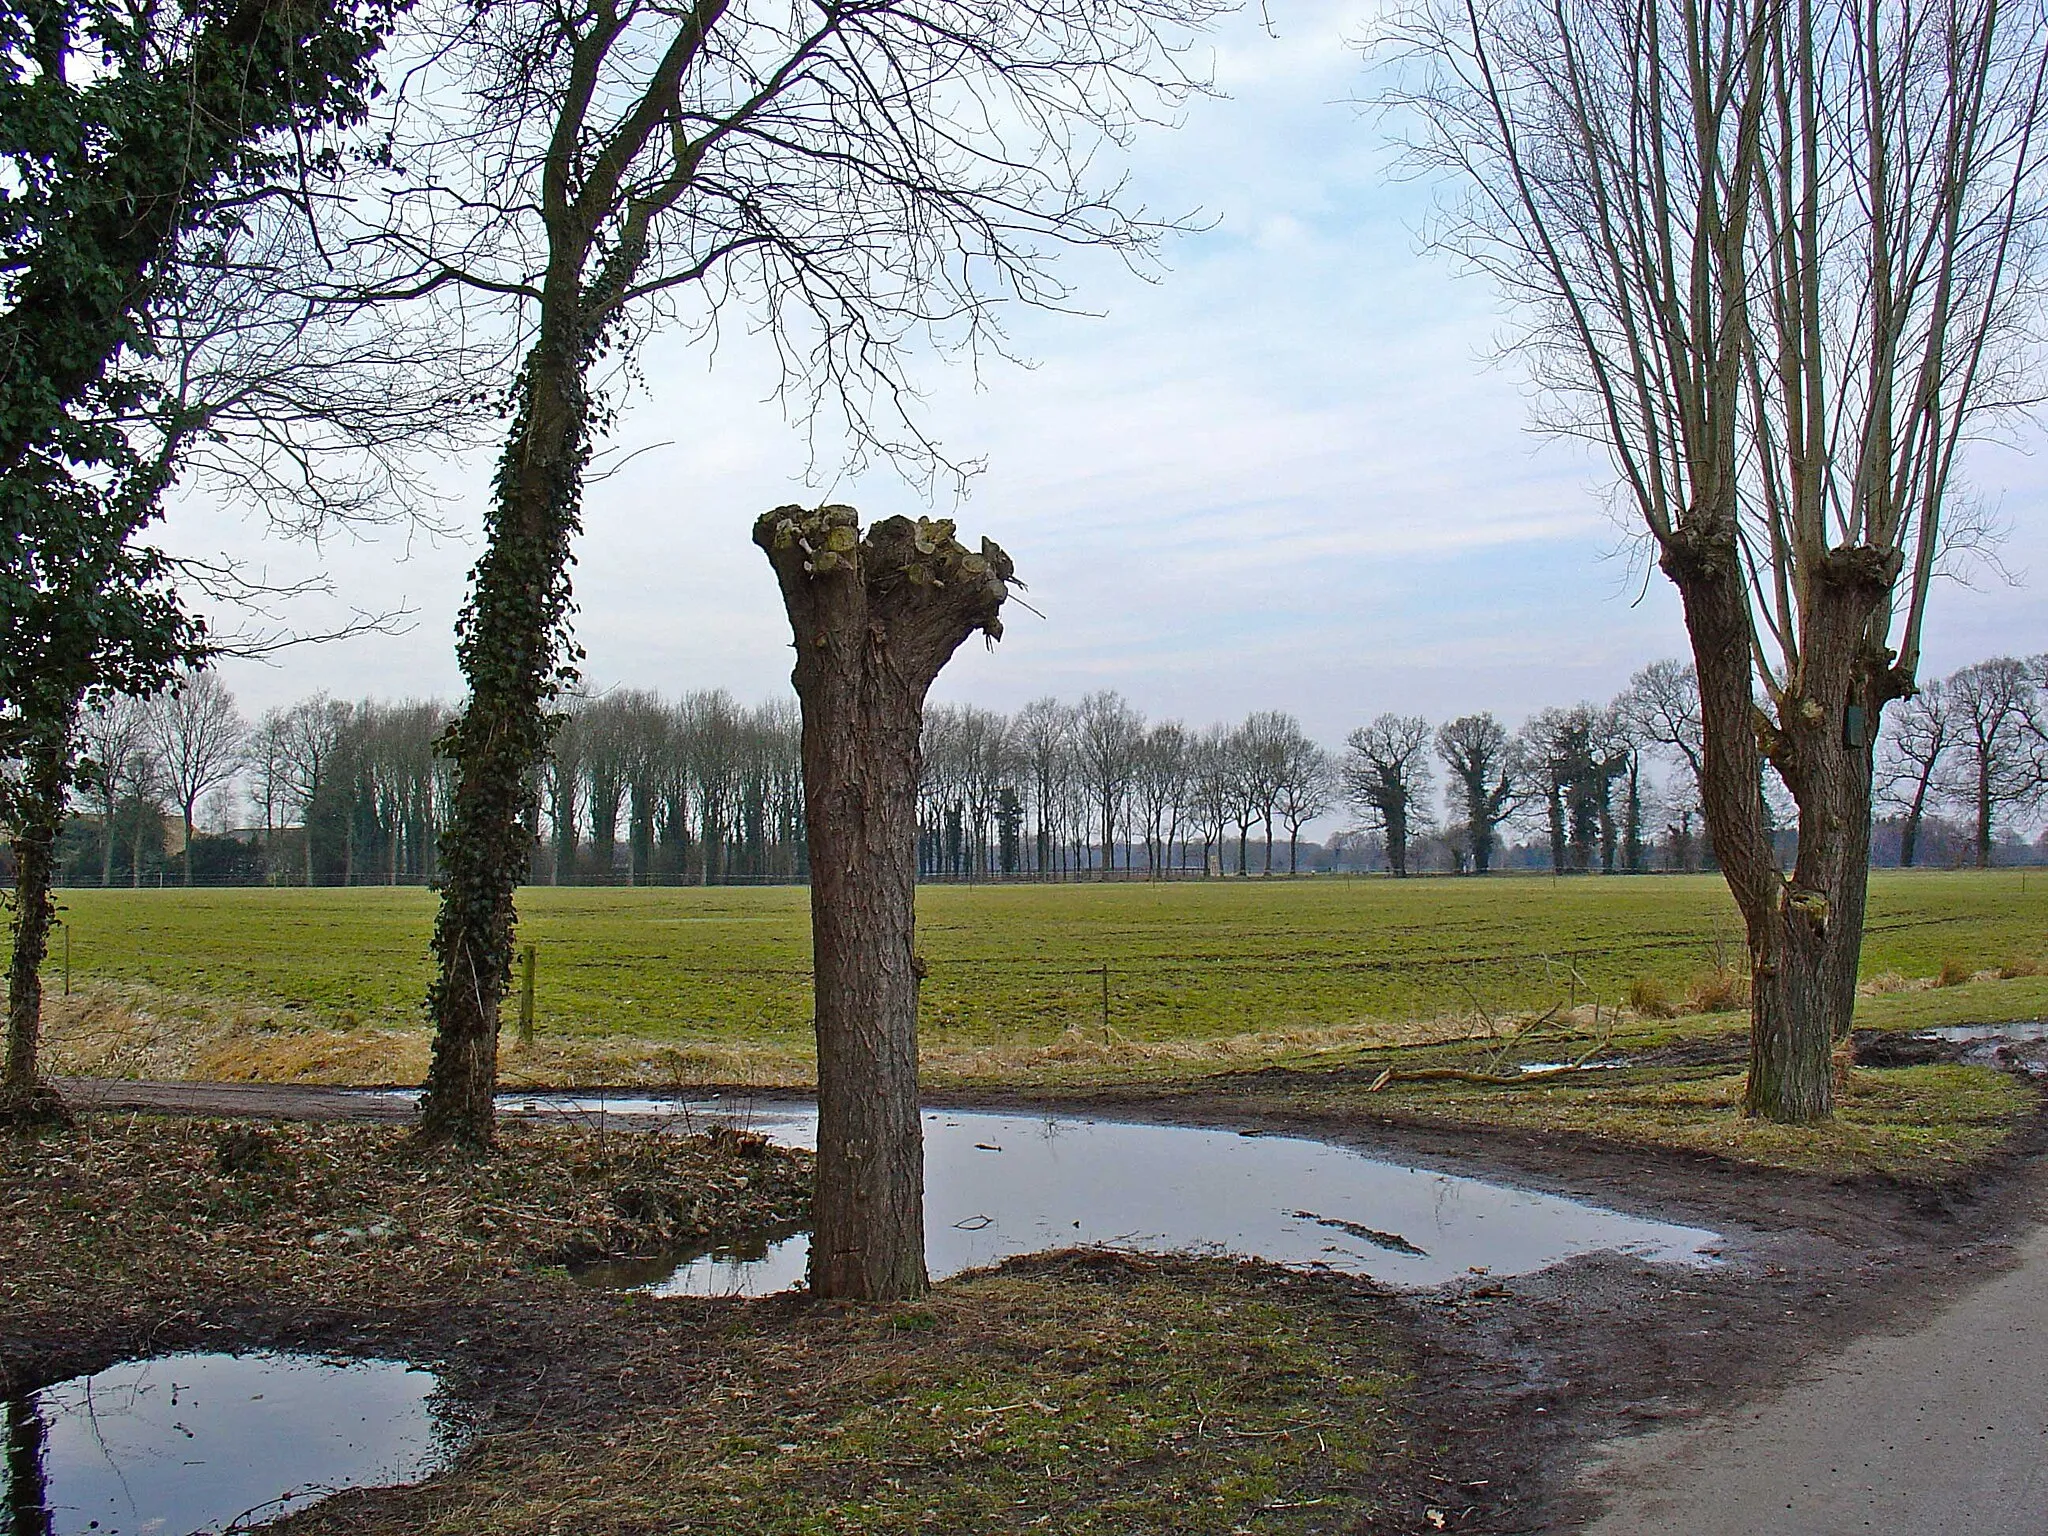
(874, 619)
(1805, 925)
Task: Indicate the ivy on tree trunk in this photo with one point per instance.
(514, 652)
(875, 619)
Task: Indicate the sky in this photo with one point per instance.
(1287, 473)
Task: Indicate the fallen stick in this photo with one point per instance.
(1462, 1075)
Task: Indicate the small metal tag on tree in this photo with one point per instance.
(875, 618)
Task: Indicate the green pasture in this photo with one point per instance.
(1017, 964)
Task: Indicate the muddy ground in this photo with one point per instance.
(1514, 1379)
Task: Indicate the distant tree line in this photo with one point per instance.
(638, 789)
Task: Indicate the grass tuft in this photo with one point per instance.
(1650, 998)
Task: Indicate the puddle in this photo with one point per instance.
(1571, 1066)
(1001, 1185)
(705, 1111)
(2027, 1029)
(209, 1442)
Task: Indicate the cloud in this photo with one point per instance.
(1284, 474)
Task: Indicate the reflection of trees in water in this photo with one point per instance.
(27, 1506)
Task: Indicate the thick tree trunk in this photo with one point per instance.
(46, 771)
(1805, 928)
(1477, 811)
(510, 649)
(874, 620)
(1984, 811)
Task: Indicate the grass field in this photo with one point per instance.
(727, 969)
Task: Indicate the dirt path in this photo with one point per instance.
(1943, 1429)
(1918, 1409)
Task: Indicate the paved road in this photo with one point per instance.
(1941, 1430)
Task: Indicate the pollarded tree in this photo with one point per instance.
(1386, 775)
(875, 618)
(1778, 261)
(860, 179)
(1486, 775)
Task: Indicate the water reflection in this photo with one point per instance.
(207, 1442)
(2028, 1029)
(1001, 1185)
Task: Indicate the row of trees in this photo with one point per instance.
(638, 789)
(635, 789)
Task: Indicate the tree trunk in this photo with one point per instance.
(510, 647)
(1984, 810)
(1909, 829)
(1805, 929)
(874, 619)
(45, 775)
(108, 810)
(188, 843)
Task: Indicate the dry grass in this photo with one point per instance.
(1650, 998)
(166, 1208)
(1718, 989)
(1094, 1395)
(1919, 1123)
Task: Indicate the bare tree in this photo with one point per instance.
(111, 735)
(1386, 775)
(1107, 736)
(1992, 769)
(1265, 743)
(314, 733)
(1214, 791)
(875, 619)
(1920, 735)
(1165, 761)
(859, 179)
(1044, 731)
(1777, 261)
(198, 735)
(1308, 789)
(1486, 779)
(1661, 707)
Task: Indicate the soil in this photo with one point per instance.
(1515, 1379)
